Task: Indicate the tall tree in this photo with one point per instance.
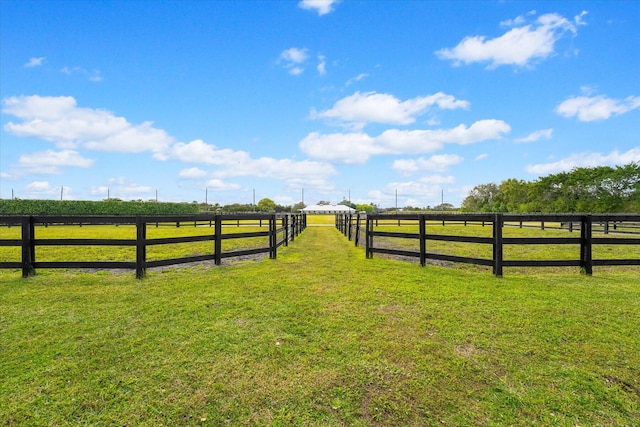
(266, 205)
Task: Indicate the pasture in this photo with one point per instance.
(320, 336)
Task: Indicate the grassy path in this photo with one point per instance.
(320, 336)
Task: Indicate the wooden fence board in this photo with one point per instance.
(278, 236)
(584, 223)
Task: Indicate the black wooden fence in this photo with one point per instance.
(282, 228)
(589, 226)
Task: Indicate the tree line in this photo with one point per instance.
(86, 207)
(601, 189)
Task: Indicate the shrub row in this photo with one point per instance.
(85, 207)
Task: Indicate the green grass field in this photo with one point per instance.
(320, 336)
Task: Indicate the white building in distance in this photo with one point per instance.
(328, 209)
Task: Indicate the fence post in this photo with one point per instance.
(285, 225)
(586, 261)
(141, 247)
(423, 240)
(497, 245)
(28, 247)
(350, 226)
(369, 237)
(273, 238)
(357, 228)
(294, 227)
(217, 243)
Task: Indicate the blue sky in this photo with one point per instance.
(342, 98)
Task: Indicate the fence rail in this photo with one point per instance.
(282, 228)
(588, 225)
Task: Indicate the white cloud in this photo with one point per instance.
(362, 108)
(198, 151)
(38, 187)
(35, 62)
(339, 147)
(125, 189)
(295, 55)
(357, 78)
(519, 46)
(239, 163)
(599, 107)
(220, 185)
(192, 173)
(586, 160)
(293, 58)
(43, 189)
(50, 162)
(357, 147)
(61, 121)
(94, 76)
(322, 65)
(536, 136)
(437, 163)
(428, 189)
(579, 19)
(100, 190)
(480, 157)
(321, 7)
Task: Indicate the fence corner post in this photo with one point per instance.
(28, 247)
(498, 253)
(141, 247)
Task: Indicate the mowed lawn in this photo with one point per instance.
(320, 336)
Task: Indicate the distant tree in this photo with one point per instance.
(365, 208)
(298, 207)
(266, 205)
(481, 198)
(237, 207)
(282, 208)
(514, 195)
(599, 189)
(345, 202)
(444, 207)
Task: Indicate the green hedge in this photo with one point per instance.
(84, 207)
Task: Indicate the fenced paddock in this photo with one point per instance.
(500, 240)
(140, 242)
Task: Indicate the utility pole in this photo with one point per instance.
(396, 200)
(156, 195)
(108, 194)
(254, 199)
(206, 196)
(303, 196)
(61, 192)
